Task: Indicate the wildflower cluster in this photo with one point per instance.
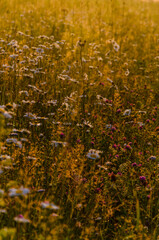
(79, 119)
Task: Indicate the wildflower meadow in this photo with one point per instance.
(79, 120)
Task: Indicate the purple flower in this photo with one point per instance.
(128, 147)
(113, 129)
(114, 146)
(142, 178)
(118, 110)
(98, 190)
(134, 164)
(112, 176)
(62, 135)
(84, 180)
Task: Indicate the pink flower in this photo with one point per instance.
(139, 165)
(113, 129)
(118, 110)
(134, 164)
(142, 178)
(62, 135)
(115, 146)
(112, 176)
(128, 147)
(98, 190)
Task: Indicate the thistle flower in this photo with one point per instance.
(62, 135)
(112, 176)
(128, 147)
(118, 110)
(134, 164)
(142, 178)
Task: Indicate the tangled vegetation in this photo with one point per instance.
(79, 124)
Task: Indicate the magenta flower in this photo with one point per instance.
(142, 178)
(118, 110)
(139, 165)
(84, 180)
(62, 135)
(114, 146)
(128, 147)
(112, 176)
(98, 190)
(113, 129)
(134, 164)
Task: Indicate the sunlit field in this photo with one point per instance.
(79, 123)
